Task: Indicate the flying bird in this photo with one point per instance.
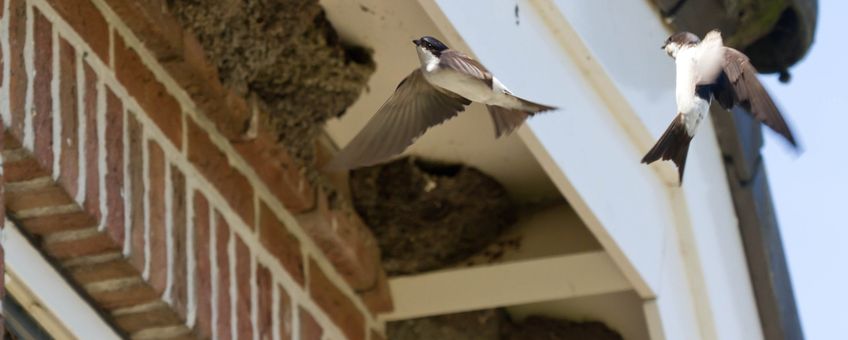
(705, 70)
(443, 86)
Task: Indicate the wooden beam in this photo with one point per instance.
(505, 284)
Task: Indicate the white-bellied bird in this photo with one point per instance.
(707, 69)
(443, 86)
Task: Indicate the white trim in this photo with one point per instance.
(51, 289)
(506, 284)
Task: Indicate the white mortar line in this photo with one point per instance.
(56, 103)
(191, 289)
(5, 102)
(145, 160)
(169, 235)
(100, 120)
(126, 189)
(233, 291)
(213, 269)
(81, 127)
(213, 196)
(254, 299)
(29, 56)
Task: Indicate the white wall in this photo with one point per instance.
(600, 62)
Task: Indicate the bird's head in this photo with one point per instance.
(679, 40)
(430, 44)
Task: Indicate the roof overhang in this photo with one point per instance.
(678, 247)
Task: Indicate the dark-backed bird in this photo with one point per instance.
(705, 70)
(443, 86)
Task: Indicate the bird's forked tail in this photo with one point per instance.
(506, 120)
(673, 145)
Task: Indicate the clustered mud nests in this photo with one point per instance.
(495, 324)
(426, 215)
(284, 52)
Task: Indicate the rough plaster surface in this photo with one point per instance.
(286, 54)
(427, 216)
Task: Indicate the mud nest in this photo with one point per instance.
(283, 52)
(427, 215)
(495, 324)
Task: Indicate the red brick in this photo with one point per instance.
(92, 182)
(281, 174)
(49, 224)
(115, 167)
(243, 299)
(94, 245)
(140, 82)
(264, 287)
(276, 238)
(178, 214)
(214, 165)
(42, 116)
(286, 315)
(38, 198)
(159, 32)
(222, 256)
(69, 157)
(203, 280)
(111, 270)
(10, 142)
(156, 202)
(184, 59)
(17, 76)
(23, 170)
(161, 316)
(136, 178)
(309, 328)
(130, 296)
(335, 303)
(346, 241)
(379, 298)
(86, 20)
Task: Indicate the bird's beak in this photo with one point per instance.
(663, 46)
(416, 42)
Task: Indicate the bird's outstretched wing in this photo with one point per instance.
(738, 85)
(462, 63)
(406, 115)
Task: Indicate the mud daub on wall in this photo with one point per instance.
(286, 54)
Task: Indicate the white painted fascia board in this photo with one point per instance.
(504, 284)
(54, 293)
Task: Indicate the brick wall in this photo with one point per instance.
(126, 161)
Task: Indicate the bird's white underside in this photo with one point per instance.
(696, 65)
(465, 85)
